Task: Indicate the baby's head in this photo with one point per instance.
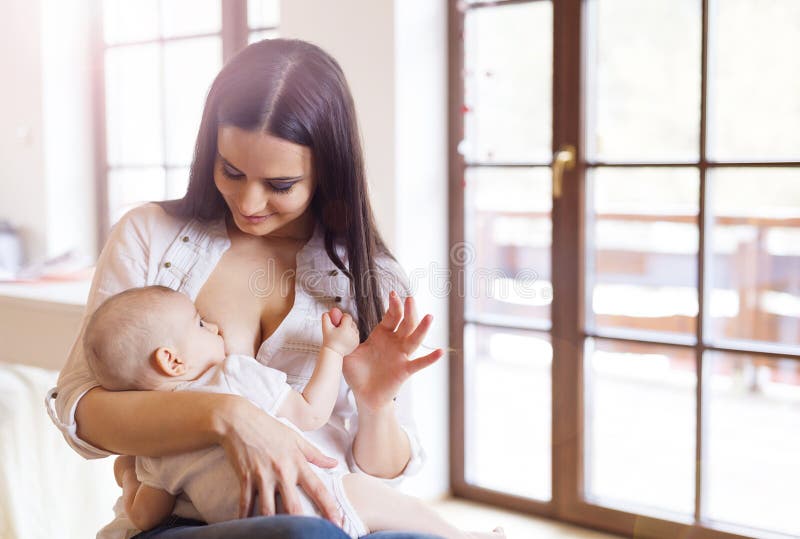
(146, 338)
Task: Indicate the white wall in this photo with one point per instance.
(46, 180)
(68, 137)
(394, 56)
(360, 35)
(420, 191)
(21, 136)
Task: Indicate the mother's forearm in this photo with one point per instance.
(381, 447)
(154, 423)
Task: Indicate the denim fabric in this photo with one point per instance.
(275, 527)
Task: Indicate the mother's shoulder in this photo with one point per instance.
(149, 218)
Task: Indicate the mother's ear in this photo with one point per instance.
(168, 362)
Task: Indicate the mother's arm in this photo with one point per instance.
(265, 454)
(381, 446)
(376, 371)
(153, 423)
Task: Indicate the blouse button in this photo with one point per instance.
(167, 264)
(185, 239)
(337, 299)
(333, 273)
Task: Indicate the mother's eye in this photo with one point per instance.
(231, 172)
(281, 188)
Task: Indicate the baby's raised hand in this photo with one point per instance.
(339, 332)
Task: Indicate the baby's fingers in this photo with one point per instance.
(336, 316)
(327, 323)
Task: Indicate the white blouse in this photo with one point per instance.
(150, 247)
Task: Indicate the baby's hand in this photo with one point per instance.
(342, 337)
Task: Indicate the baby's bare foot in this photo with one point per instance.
(123, 464)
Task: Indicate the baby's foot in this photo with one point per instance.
(122, 465)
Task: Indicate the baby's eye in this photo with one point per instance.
(202, 325)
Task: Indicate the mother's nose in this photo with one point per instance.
(252, 198)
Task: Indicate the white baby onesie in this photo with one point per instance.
(206, 477)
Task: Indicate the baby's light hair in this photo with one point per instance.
(123, 333)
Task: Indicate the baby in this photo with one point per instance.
(153, 338)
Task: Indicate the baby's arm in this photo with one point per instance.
(146, 506)
(312, 409)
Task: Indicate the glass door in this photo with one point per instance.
(502, 247)
(663, 340)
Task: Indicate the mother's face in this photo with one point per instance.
(267, 182)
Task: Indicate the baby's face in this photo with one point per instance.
(200, 345)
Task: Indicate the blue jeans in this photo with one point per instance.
(275, 527)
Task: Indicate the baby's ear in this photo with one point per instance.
(168, 362)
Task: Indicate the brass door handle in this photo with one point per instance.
(563, 159)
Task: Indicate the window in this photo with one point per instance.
(631, 342)
(158, 65)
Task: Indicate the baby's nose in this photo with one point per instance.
(213, 328)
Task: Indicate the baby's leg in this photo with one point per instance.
(383, 508)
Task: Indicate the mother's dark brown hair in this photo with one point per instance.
(294, 90)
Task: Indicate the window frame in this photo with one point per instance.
(234, 33)
(569, 329)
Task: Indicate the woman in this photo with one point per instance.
(275, 228)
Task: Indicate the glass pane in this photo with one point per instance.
(125, 21)
(642, 249)
(640, 426)
(508, 410)
(754, 80)
(187, 17)
(508, 233)
(177, 182)
(133, 105)
(261, 35)
(508, 57)
(128, 188)
(755, 277)
(190, 66)
(752, 438)
(263, 13)
(644, 86)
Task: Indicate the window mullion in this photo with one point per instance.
(703, 265)
(234, 27)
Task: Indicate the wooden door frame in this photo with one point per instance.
(234, 33)
(568, 325)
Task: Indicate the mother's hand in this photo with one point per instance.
(267, 455)
(377, 369)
